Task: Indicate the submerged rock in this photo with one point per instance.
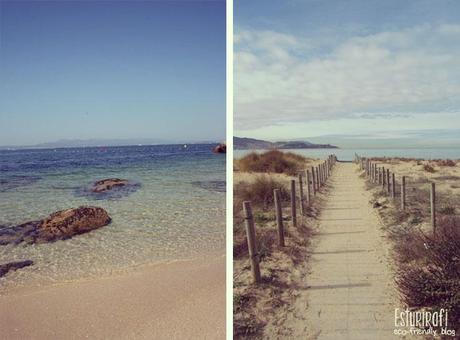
(221, 148)
(60, 225)
(5, 268)
(218, 186)
(108, 184)
(109, 188)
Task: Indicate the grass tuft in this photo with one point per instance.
(272, 161)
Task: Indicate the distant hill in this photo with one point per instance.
(251, 143)
(77, 143)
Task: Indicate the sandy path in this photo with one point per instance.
(350, 293)
(181, 300)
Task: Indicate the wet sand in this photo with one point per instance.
(179, 300)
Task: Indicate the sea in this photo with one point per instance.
(175, 210)
(349, 154)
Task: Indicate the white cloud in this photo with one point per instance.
(282, 79)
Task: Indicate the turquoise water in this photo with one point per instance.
(178, 211)
(349, 154)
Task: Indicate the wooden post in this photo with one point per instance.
(308, 186)
(318, 183)
(433, 207)
(301, 195)
(279, 217)
(252, 242)
(384, 177)
(313, 180)
(388, 182)
(293, 204)
(393, 185)
(321, 174)
(380, 175)
(403, 193)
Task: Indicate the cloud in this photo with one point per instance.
(280, 78)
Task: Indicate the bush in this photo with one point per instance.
(260, 191)
(272, 161)
(432, 279)
(448, 210)
(428, 168)
(446, 162)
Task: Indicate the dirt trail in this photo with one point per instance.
(350, 292)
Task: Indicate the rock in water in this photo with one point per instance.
(109, 188)
(108, 183)
(221, 148)
(67, 223)
(5, 268)
(60, 225)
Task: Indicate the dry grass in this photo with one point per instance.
(428, 266)
(259, 191)
(256, 308)
(430, 278)
(273, 161)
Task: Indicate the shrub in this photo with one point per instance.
(428, 168)
(446, 162)
(260, 191)
(272, 161)
(432, 279)
(448, 210)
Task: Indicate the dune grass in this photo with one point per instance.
(273, 161)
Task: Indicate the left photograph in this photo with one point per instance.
(112, 169)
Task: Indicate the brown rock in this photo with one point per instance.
(60, 225)
(67, 223)
(221, 148)
(108, 184)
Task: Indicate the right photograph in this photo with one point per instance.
(346, 179)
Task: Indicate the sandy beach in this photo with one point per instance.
(178, 300)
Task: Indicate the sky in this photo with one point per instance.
(112, 70)
(353, 73)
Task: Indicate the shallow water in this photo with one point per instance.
(177, 212)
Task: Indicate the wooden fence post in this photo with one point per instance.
(293, 204)
(384, 177)
(318, 182)
(393, 185)
(321, 174)
(313, 180)
(388, 182)
(301, 195)
(433, 207)
(403, 193)
(308, 186)
(279, 217)
(252, 241)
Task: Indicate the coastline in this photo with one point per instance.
(178, 299)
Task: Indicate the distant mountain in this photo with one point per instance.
(77, 143)
(251, 143)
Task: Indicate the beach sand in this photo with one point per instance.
(178, 300)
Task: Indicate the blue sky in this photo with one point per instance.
(111, 70)
(386, 72)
